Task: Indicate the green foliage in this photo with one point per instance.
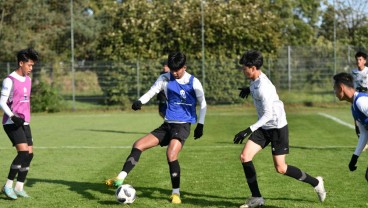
(45, 98)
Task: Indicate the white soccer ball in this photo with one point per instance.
(125, 194)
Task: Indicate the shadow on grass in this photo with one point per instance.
(188, 198)
(113, 131)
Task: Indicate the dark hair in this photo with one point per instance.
(252, 58)
(176, 61)
(344, 78)
(360, 54)
(27, 54)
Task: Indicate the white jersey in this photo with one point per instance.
(360, 77)
(161, 84)
(270, 109)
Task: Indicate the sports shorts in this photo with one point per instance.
(168, 131)
(19, 135)
(279, 139)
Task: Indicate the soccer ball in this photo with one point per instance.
(125, 194)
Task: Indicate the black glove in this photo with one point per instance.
(353, 161)
(244, 92)
(366, 175)
(198, 131)
(242, 135)
(17, 121)
(137, 105)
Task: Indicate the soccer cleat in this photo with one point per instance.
(253, 202)
(320, 189)
(21, 193)
(175, 199)
(9, 192)
(114, 182)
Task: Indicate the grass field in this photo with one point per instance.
(76, 152)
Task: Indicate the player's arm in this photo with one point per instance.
(155, 89)
(363, 107)
(5, 93)
(198, 88)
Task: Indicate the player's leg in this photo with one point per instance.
(178, 134)
(23, 171)
(294, 172)
(172, 158)
(249, 151)
(280, 147)
(18, 138)
(142, 144)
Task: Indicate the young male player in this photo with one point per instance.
(360, 75)
(345, 90)
(183, 91)
(15, 102)
(271, 127)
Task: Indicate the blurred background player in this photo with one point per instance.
(15, 102)
(183, 91)
(161, 97)
(271, 127)
(345, 90)
(360, 75)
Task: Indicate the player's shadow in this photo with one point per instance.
(85, 189)
(113, 131)
(82, 188)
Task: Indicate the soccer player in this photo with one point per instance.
(271, 127)
(161, 97)
(360, 75)
(15, 102)
(183, 92)
(345, 90)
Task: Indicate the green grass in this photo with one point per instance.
(75, 152)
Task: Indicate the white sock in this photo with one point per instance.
(122, 175)
(9, 183)
(176, 191)
(19, 186)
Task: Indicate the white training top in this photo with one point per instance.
(7, 94)
(270, 108)
(362, 104)
(360, 77)
(161, 84)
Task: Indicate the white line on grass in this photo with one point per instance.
(337, 120)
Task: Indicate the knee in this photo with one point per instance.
(244, 157)
(281, 169)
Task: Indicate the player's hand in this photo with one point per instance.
(242, 135)
(198, 131)
(17, 121)
(137, 105)
(353, 161)
(244, 92)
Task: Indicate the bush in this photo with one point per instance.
(45, 98)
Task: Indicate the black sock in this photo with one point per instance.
(131, 160)
(175, 174)
(251, 176)
(17, 164)
(23, 171)
(296, 173)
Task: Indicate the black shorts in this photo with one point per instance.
(168, 131)
(19, 135)
(279, 139)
